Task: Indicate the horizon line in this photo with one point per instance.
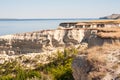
(42, 18)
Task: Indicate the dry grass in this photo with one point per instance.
(98, 58)
(98, 54)
(105, 21)
(116, 29)
(113, 33)
(95, 55)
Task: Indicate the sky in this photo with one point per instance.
(58, 8)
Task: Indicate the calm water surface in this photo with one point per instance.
(12, 27)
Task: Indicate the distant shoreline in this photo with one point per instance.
(48, 19)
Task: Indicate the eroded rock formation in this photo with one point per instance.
(35, 42)
(100, 63)
(39, 41)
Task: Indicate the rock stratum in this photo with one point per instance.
(36, 42)
(39, 41)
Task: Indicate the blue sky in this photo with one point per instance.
(58, 8)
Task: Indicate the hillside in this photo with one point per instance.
(113, 16)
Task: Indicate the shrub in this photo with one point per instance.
(21, 74)
(62, 72)
(25, 74)
(7, 77)
(32, 74)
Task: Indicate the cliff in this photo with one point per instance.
(103, 36)
(41, 47)
(39, 41)
(36, 42)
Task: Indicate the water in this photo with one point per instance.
(19, 26)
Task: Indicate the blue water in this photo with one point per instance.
(14, 26)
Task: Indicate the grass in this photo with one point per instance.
(99, 53)
(105, 21)
(112, 33)
(13, 71)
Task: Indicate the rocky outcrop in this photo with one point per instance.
(80, 68)
(100, 63)
(103, 36)
(113, 16)
(36, 42)
(98, 41)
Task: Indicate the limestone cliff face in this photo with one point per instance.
(36, 41)
(39, 41)
(98, 41)
(61, 36)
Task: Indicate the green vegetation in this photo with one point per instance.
(58, 69)
(13, 71)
